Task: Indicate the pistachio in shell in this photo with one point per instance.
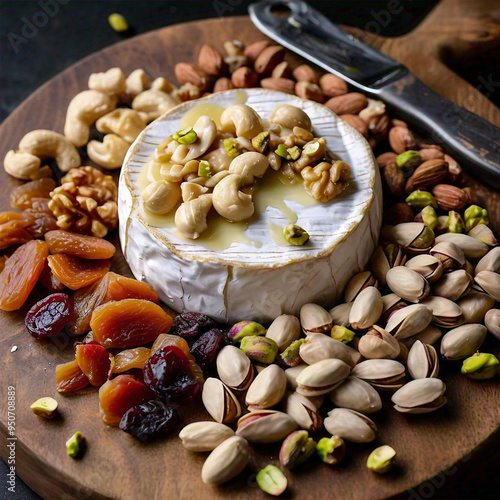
(445, 313)
(428, 266)
(318, 347)
(422, 395)
(488, 282)
(428, 336)
(284, 330)
(471, 247)
(377, 343)
(204, 436)
(407, 284)
(234, 368)
(356, 394)
(474, 306)
(492, 322)
(414, 237)
(322, 377)
(454, 285)
(220, 402)
(303, 411)
(384, 258)
(267, 389)
(296, 449)
(490, 262)
(423, 361)
(484, 234)
(384, 374)
(409, 321)
(366, 309)
(292, 374)
(340, 314)
(449, 254)
(357, 283)
(463, 341)
(315, 319)
(265, 426)
(350, 425)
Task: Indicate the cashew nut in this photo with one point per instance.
(290, 116)
(161, 83)
(241, 120)
(110, 153)
(230, 202)
(136, 83)
(191, 191)
(21, 165)
(124, 122)
(153, 103)
(49, 144)
(83, 110)
(217, 155)
(176, 173)
(249, 165)
(191, 216)
(111, 82)
(160, 197)
(208, 182)
(206, 131)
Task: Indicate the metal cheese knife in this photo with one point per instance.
(471, 140)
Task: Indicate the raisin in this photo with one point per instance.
(191, 324)
(206, 348)
(86, 247)
(13, 230)
(41, 219)
(130, 359)
(49, 316)
(168, 373)
(166, 339)
(120, 394)
(22, 196)
(128, 323)
(49, 281)
(70, 378)
(149, 420)
(94, 361)
(76, 273)
(21, 273)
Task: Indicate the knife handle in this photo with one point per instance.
(471, 140)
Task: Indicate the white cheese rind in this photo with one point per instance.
(242, 282)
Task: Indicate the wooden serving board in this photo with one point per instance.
(119, 467)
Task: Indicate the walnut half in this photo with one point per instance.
(326, 181)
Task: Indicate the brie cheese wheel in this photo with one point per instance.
(254, 275)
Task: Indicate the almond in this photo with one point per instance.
(395, 179)
(281, 84)
(430, 173)
(347, 104)
(244, 78)
(398, 123)
(332, 85)
(211, 61)
(356, 122)
(401, 139)
(268, 59)
(254, 50)
(450, 197)
(189, 73)
(399, 213)
(283, 70)
(386, 158)
(430, 153)
(379, 126)
(223, 84)
(305, 73)
(308, 90)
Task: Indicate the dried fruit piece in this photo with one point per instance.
(21, 273)
(191, 324)
(206, 348)
(94, 362)
(149, 420)
(120, 394)
(76, 273)
(70, 378)
(166, 339)
(49, 316)
(13, 230)
(111, 287)
(129, 323)
(49, 281)
(22, 196)
(78, 245)
(3, 261)
(130, 359)
(41, 219)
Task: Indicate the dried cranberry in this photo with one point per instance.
(191, 324)
(168, 374)
(49, 316)
(206, 348)
(149, 420)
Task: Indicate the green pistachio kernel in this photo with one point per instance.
(421, 199)
(425, 239)
(294, 153)
(480, 366)
(261, 141)
(295, 235)
(311, 148)
(204, 169)
(455, 223)
(262, 349)
(245, 329)
(342, 334)
(44, 407)
(231, 147)
(407, 162)
(475, 215)
(331, 450)
(429, 217)
(75, 445)
(271, 480)
(186, 136)
(283, 152)
(381, 459)
(290, 356)
(118, 22)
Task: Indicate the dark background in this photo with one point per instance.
(81, 28)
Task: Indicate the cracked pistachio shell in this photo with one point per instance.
(315, 319)
(474, 306)
(428, 336)
(296, 449)
(318, 346)
(463, 341)
(377, 343)
(453, 285)
(356, 394)
(204, 436)
(265, 426)
(415, 237)
(409, 321)
(350, 425)
(444, 312)
(226, 461)
(304, 412)
(386, 374)
(484, 234)
(471, 247)
(384, 258)
(340, 314)
(490, 262)
(267, 389)
(489, 282)
(322, 377)
(331, 450)
(422, 395)
(449, 254)
(408, 284)
(234, 368)
(220, 402)
(284, 330)
(391, 300)
(357, 283)
(292, 374)
(426, 265)
(366, 309)
(423, 361)
(492, 322)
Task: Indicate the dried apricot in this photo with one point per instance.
(13, 230)
(78, 245)
(111, 287)
(130, 359)
(165, 340)
(22, 196)
(76, 273)
(94, 362)
(70, 378)
(128, 323)
(9, 216)
(21, 273)
(120, 394)
(49, 281)
(41, 219)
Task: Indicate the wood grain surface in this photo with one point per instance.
(119, 467)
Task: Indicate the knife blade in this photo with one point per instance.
(471, 140)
